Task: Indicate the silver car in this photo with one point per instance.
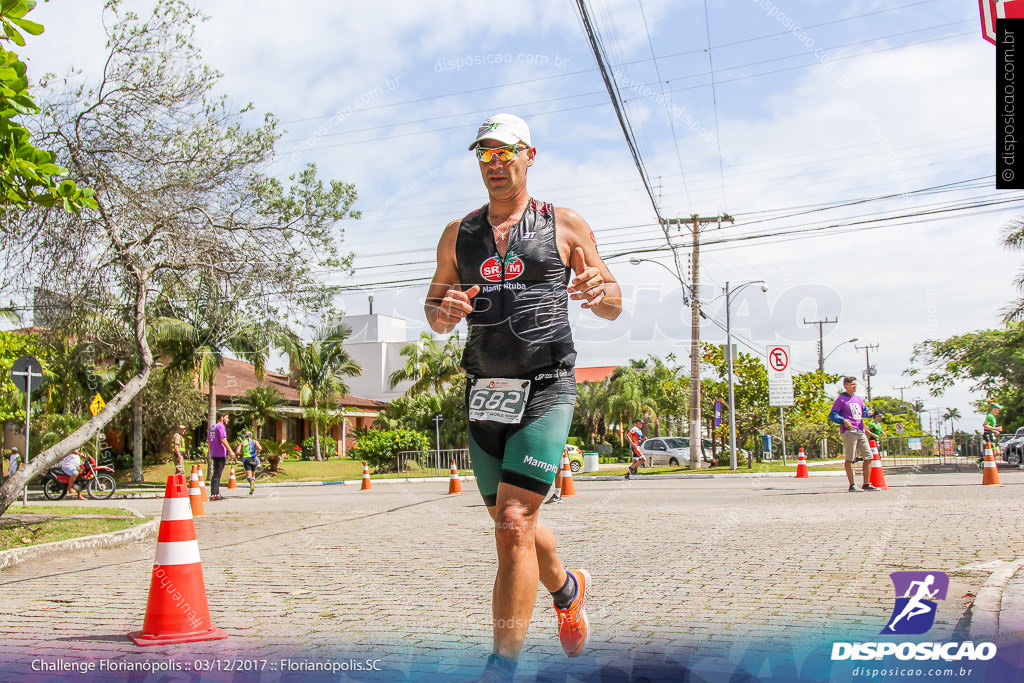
(664, 451)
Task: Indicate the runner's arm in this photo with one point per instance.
(592, 281)
(446, 303)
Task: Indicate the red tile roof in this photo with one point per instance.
(594, 374)
(235, 377)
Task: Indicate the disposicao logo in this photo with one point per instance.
(913, 613)
(916, 593)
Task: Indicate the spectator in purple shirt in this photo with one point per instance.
(849, 412)
(219, 449)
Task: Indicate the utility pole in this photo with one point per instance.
(868, 370)
(900, 389)
(697, 223)
(821, 339)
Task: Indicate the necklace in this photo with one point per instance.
(501, 234)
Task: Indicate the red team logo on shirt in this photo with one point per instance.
(491, 268)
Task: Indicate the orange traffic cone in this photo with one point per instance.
(877, 477)
(801, 466)
(367, 486)
(177, 611)
(568, 487)
(232, 483)
(195, 494)
(990, 476)
(202, 484)
(454, 487)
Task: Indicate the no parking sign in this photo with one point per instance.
(780, 376)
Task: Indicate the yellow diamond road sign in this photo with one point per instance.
(97, 404)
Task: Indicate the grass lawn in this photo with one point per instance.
(25, 525)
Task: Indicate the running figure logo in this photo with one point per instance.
(916, 592)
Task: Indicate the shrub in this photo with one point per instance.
(328, 447)
(379, 447)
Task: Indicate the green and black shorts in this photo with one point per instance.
(527, 454)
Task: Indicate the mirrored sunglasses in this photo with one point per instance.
(485, 154)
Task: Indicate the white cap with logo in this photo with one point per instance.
(506, 128)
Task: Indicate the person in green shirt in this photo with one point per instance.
(874, 429)
(990, 430)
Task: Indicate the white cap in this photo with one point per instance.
(506, 128)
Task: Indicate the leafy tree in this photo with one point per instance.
(379, 448)
(28, 176)
(319, 367)
(169, 398)
(993, 360)
(12, 347)
(431, 364)
(181, 201)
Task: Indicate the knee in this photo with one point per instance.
(514, 528)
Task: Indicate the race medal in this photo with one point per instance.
(498, 400)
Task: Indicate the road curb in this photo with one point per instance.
(142, 532)
(998, 609)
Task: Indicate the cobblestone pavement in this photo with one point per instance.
(402, 574)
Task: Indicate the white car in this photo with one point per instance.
(664, 451)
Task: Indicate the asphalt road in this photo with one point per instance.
(703, 572)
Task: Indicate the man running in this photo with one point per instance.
(505, 268)
(636, 437)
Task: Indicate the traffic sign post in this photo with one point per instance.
(780, 377)
(25, 370)
(780, 385)
(94, 407)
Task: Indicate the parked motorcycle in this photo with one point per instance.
(98, 480)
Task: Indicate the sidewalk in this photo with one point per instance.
(713, 575)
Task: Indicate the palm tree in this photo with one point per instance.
(592, 407)
(430, 364)
(261, 404)
(952, 414)
(629, 399)
(319, 367)
(204, 348)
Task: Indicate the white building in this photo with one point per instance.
(376, 343)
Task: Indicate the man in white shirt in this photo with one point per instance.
(70, 465)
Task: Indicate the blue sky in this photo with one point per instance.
(819, 118)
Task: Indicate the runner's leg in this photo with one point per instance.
(515, 586)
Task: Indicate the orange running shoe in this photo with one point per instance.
(573, 625)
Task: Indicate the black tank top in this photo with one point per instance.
(520, 318)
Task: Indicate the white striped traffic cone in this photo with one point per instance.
(195, 494)
(177, 611)
(454, 486)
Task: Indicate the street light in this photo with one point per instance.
(635, 261)
(848, 341)
(728, 353)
